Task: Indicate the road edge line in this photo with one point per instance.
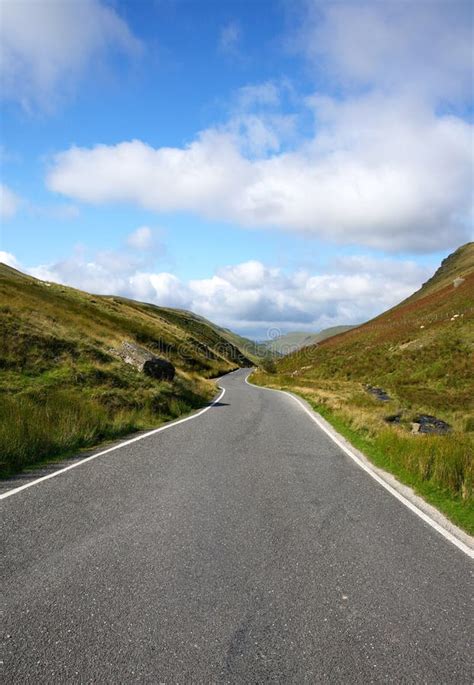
(30, 484)
(369, 468)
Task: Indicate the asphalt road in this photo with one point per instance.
(239, 547)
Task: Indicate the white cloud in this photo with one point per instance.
(251, 274)
(141, 239)
(102, 273)
(250, 297)
(8, 259)
(47, 46)
(163, 288)
(383, 165)
(9, 202)
(266, 94)
(384, 173)
(229, 38)
(425, 47)
(122, 271)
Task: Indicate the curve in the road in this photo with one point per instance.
(442, 529)
(243, 547)
(119, 446)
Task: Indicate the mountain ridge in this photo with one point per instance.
(295, 340)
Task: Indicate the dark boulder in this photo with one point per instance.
(378, 393)
(144, 361)
(158, 368)
(424, 423)
(393, 418)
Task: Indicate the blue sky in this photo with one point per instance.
(288, 165)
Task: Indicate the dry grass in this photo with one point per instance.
(420, 352)
(61, 389)
(43, 423)
(439, 467)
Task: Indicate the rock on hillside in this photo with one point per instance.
(144, 361)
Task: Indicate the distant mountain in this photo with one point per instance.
(252, 350)
(291, 342)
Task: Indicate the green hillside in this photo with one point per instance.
(255, 351)
(250, 349)
(291, 342)
(456, 265)
(421, 353)
(63, 386)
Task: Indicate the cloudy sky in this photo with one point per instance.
(289, 164)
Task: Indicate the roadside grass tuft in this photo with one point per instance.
(438, 467)
(39, 425)
(421, 353)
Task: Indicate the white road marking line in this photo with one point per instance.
(427, 519)
(14, 491)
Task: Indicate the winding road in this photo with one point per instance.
(242, 546)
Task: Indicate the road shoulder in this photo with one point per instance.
(403, 493)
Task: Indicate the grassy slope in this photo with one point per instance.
(252, 350)
(62, 389)
(423, 357)
(291, 342)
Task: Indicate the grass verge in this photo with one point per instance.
(37, 427)
(437, 467)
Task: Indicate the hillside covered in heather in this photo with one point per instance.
(399, 374)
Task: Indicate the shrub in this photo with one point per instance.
(469, 425)
(268, 365)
